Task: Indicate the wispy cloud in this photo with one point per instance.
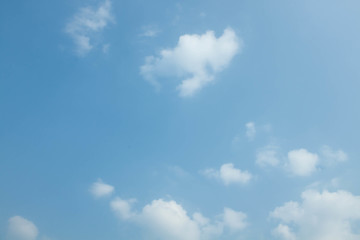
(101, 189)
(331, 156)
(150, 31)
(268, 156)
(250, 130)
(86, 23)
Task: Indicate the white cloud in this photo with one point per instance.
(164, 220)
(268, 156)
(168, 220)
(250, 130)
(234, 220)
(196, 59)
(21, 229)
(86, 23)
(301, 162)
(321, 216)
(331, 157)
(228, 174)
(101, 189)
(284, 232)
(122, 208)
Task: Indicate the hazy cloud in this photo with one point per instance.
(86, 23)
(331, 157)
(250, 130)
(268, 156)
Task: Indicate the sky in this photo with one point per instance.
(179, 120)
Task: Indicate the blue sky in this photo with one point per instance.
(179, 120)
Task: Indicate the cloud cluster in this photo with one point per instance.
(101, 189)
(164, 220)
(299, 162)
(21, 229)
(319, 216)
(228, 174)
(86, 24)
(196, 59)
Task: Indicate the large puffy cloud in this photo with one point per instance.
(301, 162)
(228, 174)
(21, 229)
(196, 59)
(101, 189)
(319, 216)
(86, 23)
(164, 220)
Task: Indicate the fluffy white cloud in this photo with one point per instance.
(331, 156)
(284, 232)
(168, 220)
(196, 59)
(164, 220)
(301, 162)
(228, 174)
(101, 189)
(320, 216)
(250, 130)
(86, 23)
(234, 220)
(268, 156)
(21, 229)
